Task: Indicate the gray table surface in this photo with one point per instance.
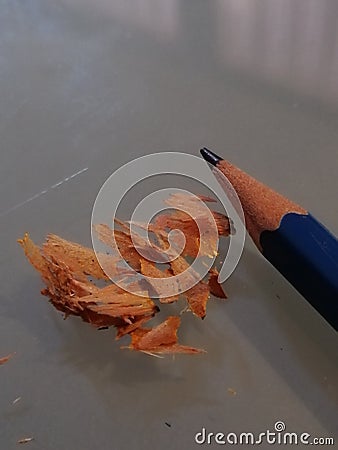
(92, 85)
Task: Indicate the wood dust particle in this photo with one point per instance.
(25, 440)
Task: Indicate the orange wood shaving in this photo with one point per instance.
(161, 339)
(65, 267)
(149, 269)
(107, 306)
(80, 259)
(5, 359)
(214, 286)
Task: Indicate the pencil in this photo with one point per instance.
(288, 236)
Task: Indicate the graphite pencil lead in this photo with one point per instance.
(210, 156)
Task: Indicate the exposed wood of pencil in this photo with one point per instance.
(263, 207)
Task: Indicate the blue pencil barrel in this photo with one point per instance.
(306, 253)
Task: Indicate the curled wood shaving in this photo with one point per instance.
(161, 339)
(65, 268)
(81, 259)
(216, 289)
(149, 269)
(105, 306)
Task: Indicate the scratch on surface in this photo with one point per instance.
(44, 191)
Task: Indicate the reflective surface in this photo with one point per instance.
(87, 86)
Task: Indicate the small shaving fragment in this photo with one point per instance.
(5, 359)
(232, 391)
(214, 286)
(14, 402)
(25, 440)
(161, 339)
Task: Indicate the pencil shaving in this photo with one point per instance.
(71, 273)
(5, 359)
(25, 440)
(161, 339)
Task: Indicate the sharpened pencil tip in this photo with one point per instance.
(210, 157)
